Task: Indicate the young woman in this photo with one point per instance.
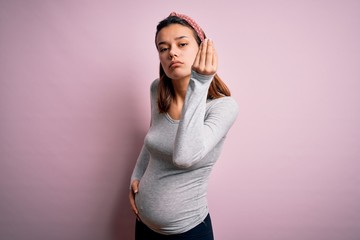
(191, 113)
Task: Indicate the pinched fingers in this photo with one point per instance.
(206, 59)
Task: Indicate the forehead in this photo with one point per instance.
(174, 31)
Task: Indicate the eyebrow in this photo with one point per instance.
(177, 38)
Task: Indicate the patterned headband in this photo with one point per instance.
(192, 23)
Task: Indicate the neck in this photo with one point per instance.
(180, 88)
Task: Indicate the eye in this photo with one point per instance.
(163, 49)
(183, 44)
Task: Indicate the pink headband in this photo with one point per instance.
(192, 23)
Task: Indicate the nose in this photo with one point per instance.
(172, 54)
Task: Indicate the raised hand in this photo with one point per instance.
(206, 61)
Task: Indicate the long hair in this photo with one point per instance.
(166, 91)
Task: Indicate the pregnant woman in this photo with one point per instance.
(191, 113)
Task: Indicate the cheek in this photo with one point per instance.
(163, 63)
(194, 51)
(162, 58)
(191, 56)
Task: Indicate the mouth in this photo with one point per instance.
(175, 64)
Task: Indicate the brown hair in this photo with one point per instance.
(166, 91)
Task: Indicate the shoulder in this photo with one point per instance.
(154, 89)
(154, 85)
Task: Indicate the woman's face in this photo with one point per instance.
(177, 49)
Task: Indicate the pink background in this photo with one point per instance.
(74, 108)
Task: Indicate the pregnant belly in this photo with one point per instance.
(169, 210)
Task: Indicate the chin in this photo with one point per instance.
(178, 75)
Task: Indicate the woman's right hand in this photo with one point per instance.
(134, 190)
(206, 61)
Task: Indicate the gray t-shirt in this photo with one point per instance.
(177, 157)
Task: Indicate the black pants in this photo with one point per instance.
(203, 231)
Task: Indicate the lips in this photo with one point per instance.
(174, 64)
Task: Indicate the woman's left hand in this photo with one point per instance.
(206, 59)
(134, 190)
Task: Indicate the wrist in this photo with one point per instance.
(201, 77)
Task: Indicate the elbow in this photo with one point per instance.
(185, 161)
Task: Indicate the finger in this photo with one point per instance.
(215, 60)
(132, 203)
(197, 58)
(203, 55)
(209, 55)
(135, 186)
